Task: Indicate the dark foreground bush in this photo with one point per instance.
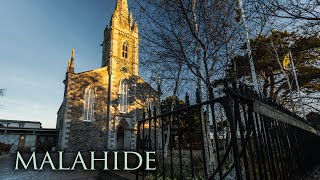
(5, 148)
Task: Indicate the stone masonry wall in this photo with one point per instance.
(84, 135)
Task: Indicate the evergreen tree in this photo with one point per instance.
(267, 49)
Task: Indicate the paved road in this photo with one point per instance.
(7, 165)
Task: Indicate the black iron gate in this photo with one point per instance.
(247, 138)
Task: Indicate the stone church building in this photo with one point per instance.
(101, 107)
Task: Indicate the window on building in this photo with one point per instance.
(123, 97)
(89, 104)
(125, 49)
(30, 141)
(149, 105)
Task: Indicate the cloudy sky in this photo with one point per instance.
(36, 38)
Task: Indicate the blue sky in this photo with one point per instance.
(36, 38)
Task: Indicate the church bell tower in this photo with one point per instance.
(121, 43)
(120, 55)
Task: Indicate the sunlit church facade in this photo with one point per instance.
(101, 107)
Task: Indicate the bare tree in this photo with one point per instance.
(192, 42)
(188, 43)
(293, 9)
(2, 92)
(303, 14)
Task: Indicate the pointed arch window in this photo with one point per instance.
(89, 98)
(124, 96)
(149, 104)
(125, 49)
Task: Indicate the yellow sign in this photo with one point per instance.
(286, 61)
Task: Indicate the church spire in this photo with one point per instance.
(122, 6)
(71, 63)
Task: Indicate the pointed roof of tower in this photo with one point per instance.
(71, 63)
(122, 6)
(121, 16)
(72, 55)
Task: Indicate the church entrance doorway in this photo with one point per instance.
(120, 138)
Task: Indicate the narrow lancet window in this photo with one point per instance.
(89, 98)
(123, 97)
(125, 49)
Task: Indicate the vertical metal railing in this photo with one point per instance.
(248, 145)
